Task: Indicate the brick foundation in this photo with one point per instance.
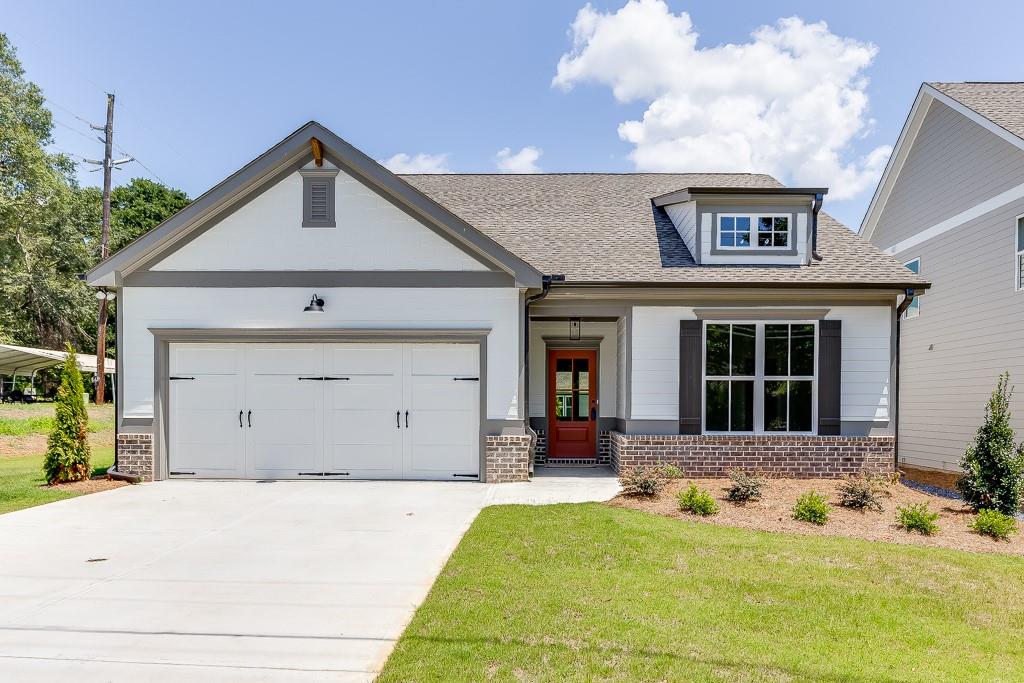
(785, 456)
(508, 458)
(604, 448)
(135, 455)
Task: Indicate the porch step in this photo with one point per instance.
(570, 462)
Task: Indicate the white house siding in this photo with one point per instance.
(866, 367)
(970, 329)
(953, 165)
(684, 217)
(607, 361)
(622, 382)
(496, 309)
(371, 233)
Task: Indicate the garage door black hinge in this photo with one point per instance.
(180, 473)
(466, 379)
(181, 378)
(323, 474)
(474, 476)
(324, 379)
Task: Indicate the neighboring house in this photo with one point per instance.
(316, 316)
(950, 205)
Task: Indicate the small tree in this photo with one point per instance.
(67, 451)
(994, 466)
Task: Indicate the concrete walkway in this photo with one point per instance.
(235, 581)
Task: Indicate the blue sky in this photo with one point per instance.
(203, 87)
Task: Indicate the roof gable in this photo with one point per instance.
(281, 161)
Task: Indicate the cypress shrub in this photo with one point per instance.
(67, 451)
(994, 465)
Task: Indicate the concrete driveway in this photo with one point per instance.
(237, 581)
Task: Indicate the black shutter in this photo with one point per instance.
(690, 375)
(830, 377)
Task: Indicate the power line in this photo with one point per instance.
(93, 138)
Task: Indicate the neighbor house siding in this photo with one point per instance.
(494, 309)
(866, 363)
(953, 165)
(970, 329)
(607, 361)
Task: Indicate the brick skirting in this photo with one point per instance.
(135, 455)
(602, 457)
(789, 456)
(508, 458)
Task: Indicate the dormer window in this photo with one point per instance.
(754, 231)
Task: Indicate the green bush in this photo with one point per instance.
(811, 507)
(917, 517)
(995, 524)
(994, 465)
(67, 450)
(745, 487)
(862, 493)
(697, 501)
(642, 481)
(671, 471)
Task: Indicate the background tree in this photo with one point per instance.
(994, 465)
(67, 451)
(138, 207)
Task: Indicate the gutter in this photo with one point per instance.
(546, 281)
(819, 198)
(908, 299)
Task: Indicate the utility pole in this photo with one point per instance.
(108, 165)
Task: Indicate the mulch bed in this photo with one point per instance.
(773, 513)
(94, 485)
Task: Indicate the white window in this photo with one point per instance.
(914, 309)
(760, 377)
(1018, 259)
(754, 231)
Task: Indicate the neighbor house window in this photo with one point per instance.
(753, 231)
(914, 309)
(759, 377)
(1019, 258)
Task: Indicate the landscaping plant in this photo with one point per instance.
(643, 481)
(862, 493)
(67, 450)
(811, 507)
(745, 487)
(671, 471)
(994, 465)
(995, 524)
(698, 501)
(917, 517)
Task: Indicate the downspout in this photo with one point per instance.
(908, 299)
(815, 208)
(546, 281)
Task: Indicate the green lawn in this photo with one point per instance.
(590, 592)
(22, 476)
(37, 418)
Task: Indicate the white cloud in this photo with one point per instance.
(523, 161)
(421, 163)
(790, 102)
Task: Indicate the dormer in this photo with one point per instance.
(744, 225)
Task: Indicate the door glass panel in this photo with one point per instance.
(741, 403)
(563, 374)
(716, 397)
(775, 406)
(743, 351)
(582, 405)
(582, 368)
(563, 406)
(776, 350)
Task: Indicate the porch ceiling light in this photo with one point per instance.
(315, 304)
(574, 329)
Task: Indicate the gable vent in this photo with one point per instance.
(318, 202)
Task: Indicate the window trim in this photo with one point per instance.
(1018, 256)
(790, 231)
(311, 176)
(759, 377)
(915, 304)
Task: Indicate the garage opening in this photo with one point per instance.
(315, 411)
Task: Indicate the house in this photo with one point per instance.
(950, 205)
(316, 316)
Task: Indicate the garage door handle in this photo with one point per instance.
(239, 419)
(398, 417)
(407, 419)
(249, 416)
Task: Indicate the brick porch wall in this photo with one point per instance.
(508, 458)
(788, 456)
(135, 455)
(604, 448)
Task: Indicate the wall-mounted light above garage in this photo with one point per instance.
(316, 304)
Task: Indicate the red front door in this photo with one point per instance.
(572, 403)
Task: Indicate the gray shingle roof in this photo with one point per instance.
(1000, 103)
(603, 227)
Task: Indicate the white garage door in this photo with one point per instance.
(351, 411)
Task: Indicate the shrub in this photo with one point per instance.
(67, 450)
(862, 493)
(917, 517)
(671, 471)
(995, 524)
(745, 487)
(642, 481)
(994, 465)
(811, 507)
(698, 501)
